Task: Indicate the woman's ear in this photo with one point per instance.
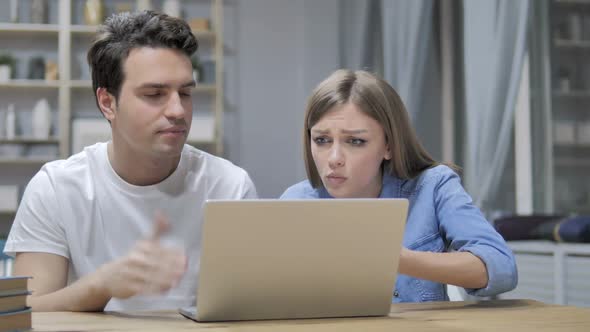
(387, 155)
(106, 103)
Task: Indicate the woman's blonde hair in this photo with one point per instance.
(376, 98)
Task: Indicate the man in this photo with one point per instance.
(117, 226)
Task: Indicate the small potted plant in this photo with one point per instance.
(7, 65)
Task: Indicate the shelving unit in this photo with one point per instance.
(561, 39)
(66, 41)
(552, 272)
(67, 89)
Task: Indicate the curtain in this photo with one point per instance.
(494, 37)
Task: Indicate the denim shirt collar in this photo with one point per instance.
(390, 188)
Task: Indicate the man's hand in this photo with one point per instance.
(148, 268)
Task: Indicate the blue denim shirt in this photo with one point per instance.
(441, 218)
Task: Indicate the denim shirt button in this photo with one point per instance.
(395, 293)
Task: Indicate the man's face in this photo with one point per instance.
(154, 111)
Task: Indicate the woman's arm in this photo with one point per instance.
(468, 234)
(461, 269)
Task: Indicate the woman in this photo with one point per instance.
(359, 144)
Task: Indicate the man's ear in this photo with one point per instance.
(107, 103)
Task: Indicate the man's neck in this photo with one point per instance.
(140, 169)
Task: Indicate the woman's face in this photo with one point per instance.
(348, 148)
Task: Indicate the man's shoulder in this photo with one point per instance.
(301, 190)
(75, 165)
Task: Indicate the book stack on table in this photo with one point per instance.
(14, 313)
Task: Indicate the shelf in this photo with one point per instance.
(549, 247)
(41, 84)
(565, 43)
(81, 84)
(572, 146)
(91, 29)
(87, 84)
(29, 140)
(204, 35)
(572, 94)
(572, 162)
(83, 29)
(201, 87)
(572, 2)
(25, 161)
(29, 28)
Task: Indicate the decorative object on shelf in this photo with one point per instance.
(13, 11)
(586, 27)
(172, 8)
(197, 69)
(7, 65)
(561, 30)
(10, 129)
(575, 22)
(2, 122)
(144, 5)
(39, 11)
(563, 79)
(583, 133)
(200, 24)
(564, 132)
(41, 120)
(123, 7)
(93, 12)
(37, 68)
(51, 71)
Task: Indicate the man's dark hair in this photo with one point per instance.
(123, 32)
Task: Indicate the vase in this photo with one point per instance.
(36, 68)
(144, 5)
(171, 7)
(10, 129)
(5, 73)
(93, 12)
(39, 11)
(41, 120)
(13, 11)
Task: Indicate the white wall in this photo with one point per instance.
(284, 48)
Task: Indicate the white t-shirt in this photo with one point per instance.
(81, 209)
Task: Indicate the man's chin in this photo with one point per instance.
(166, 150)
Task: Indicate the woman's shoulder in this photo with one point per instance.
(301, 190)
(438, 172)
(431, 177)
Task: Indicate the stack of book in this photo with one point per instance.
(14, 313)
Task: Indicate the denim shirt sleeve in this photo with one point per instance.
(465, 229)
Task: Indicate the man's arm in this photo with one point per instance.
(148, 268)
(48, 285)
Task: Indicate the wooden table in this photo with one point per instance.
(499, 315)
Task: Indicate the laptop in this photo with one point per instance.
(288, 259)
